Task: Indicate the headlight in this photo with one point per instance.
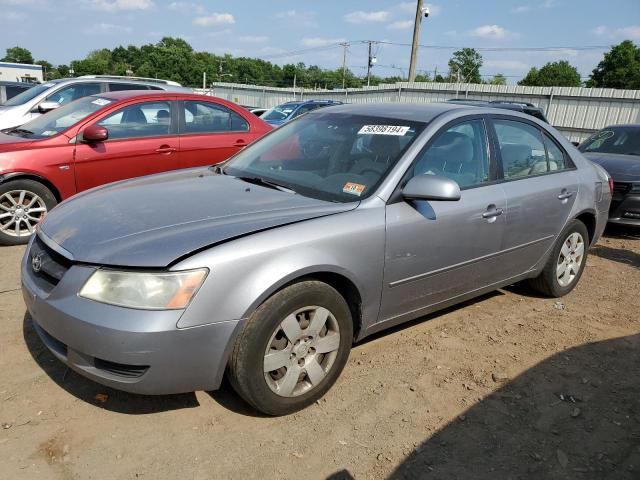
(144, 290)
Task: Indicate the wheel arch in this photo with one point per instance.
(588, 218)
(32, 176)
(334, 277)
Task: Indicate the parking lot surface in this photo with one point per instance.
(510, 385)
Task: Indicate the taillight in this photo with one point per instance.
(611, 185)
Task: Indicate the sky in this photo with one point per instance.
(285, 31)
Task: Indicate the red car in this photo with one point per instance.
(108, 137)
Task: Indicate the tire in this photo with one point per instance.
(37, 200)
(298, 382)
(551, 281)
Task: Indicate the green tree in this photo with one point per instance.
(553, 74)
(465, 66)
(18, 55)
(620, 68)
(497, 79)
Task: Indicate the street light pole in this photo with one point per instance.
(344, 63)
(416, 39)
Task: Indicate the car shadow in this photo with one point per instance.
(619, 255)
(94, 393)
(574, 415)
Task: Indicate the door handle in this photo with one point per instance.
(240, 143)
(166, 149)
(492, 212)
(564, 195)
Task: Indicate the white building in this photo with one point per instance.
(20, 72)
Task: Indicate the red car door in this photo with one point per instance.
(211, 132)
(142, 141)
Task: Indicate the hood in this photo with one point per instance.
(10, 116)
(153, 221)
(623, 168)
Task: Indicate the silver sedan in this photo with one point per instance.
(342, 223)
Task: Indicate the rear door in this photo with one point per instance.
(541, 185)
(142, 141)
(210, 133)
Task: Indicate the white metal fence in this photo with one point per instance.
(576, 112)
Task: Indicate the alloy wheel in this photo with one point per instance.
(570, 259)
(301, 351)
(20, 212)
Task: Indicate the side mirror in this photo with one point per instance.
(575, 144)
(95, 133)
(45, 107)
(431, 187)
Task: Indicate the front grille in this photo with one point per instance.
(47, 265)
(120, 369)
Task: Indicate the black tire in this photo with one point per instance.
(246, 363)
(32, 187)
(547, 282)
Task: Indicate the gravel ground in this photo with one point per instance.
(510, 385)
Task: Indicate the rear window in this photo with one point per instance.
(620, 140)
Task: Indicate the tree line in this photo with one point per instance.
(174, 59)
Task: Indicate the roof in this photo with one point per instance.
(406, 111)
(126, 94)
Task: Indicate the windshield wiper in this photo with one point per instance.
(266, 183)
(21, 130)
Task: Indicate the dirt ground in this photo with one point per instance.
(510, 385)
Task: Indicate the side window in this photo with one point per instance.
(521, 149)
(74, 92)
(116, 87)
(208, 117)
(459, 153)
(150, 119)
(557, 159)
(305, 109)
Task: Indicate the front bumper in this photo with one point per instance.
(625, 209)
(136, 351)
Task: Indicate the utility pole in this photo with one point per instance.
(416, 40)
(369, 64)
(295, 77)
(204, 80)
(344, 63)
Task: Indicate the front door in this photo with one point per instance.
(541, 187)
(438, 250)
(141, 142)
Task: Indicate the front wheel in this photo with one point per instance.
(566, 263)
(292, 349)
(23, 204)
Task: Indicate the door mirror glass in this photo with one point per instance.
(95, 133)
(431, 187)
(45, 107)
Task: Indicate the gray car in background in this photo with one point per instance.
(617, 149)
(342, 223)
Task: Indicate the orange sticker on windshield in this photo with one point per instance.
(353, 188)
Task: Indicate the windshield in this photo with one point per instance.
(61, 118)
(621, 140)
(329, 156)
(27, 95)
(281, 112)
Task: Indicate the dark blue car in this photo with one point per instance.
(290, 110)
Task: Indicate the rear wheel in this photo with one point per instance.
(23, 204)
(292, 349)
(566, 263)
